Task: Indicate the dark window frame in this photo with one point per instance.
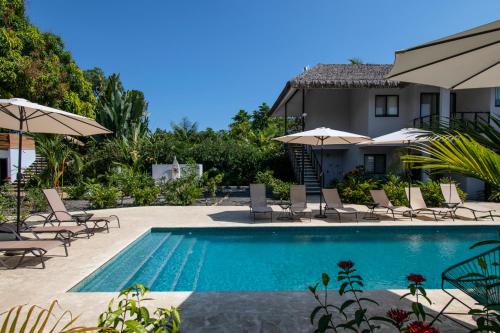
(374, 166)
(385, 108)
(497, 101)
(438, 111)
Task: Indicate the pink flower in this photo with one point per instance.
(416, 278)
(419, 327)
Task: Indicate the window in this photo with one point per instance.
(386, 106)
(375, 163)
(497, 97)
(429, 105)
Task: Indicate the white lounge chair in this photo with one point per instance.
(380, 198)
(298, 201)
(334, 203)
(418, 205)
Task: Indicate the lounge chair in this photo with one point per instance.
(298, 201)
(62, 232)
(417, 204)
(11, 242)
(380, 198)
(258, 202)
(60, 213)
(334, 203)
(452, 199)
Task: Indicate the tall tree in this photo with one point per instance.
(123, 112)
(35, 65)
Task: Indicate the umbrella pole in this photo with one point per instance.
(408, 172)
(19, 174)
(322, 181)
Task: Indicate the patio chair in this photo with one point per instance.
(62, 232)
(452, 199)
(334, 203)
(298, 201)
(380, 198)
(60, 213)
(478, 278)
(12, 243)
(258, 202)
(417, 204)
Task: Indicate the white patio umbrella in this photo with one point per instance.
(319, 137)
(469, 59)
(24, 116)
(405, 136)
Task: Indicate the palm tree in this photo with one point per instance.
(58, 153)
(355, 61)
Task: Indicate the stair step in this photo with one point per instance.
(163, 261)
(149, 267)
(118, 270)
(165, 277)
(183, 264)
(188, 279)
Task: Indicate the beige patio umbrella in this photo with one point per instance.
(403, 137)
(24, 116)
(319, 137)
(469, 59)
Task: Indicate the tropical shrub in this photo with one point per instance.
(77, 191)
(146, 196)
(182, 191)
(279, 188)
(354, 309)
(101, 196)
(394, 187)
(34, 200)
(128, 315)
(211, 180)
(431, 191)
(355, 187)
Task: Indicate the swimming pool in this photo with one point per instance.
(279, 258)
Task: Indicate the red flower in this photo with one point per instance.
(345, 265)
(417, 278)
(419, 327)
(399, 316)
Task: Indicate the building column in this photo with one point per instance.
(444, 106)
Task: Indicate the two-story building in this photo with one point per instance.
(357, 98)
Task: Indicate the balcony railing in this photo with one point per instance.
(435, 121)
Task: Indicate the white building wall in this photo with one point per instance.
(28, 157)
(328, 108)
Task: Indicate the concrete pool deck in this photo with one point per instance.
(201, 312)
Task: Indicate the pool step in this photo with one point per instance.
(107, 277)
(188, 254)
(165, 273)
(148, 264)
(191, 271)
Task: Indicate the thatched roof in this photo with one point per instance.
(329, 76)
(344, 76)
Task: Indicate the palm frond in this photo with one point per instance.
(457, 153)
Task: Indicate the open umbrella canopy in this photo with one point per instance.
(469, 59)
(20, 114)
(323, 136)
(402, 137)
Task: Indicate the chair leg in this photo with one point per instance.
(442, 311)
(474, 213)
(491, 215)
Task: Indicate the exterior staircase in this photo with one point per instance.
(311, 167)
(36, 168)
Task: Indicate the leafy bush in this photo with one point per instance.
(182, 191)
(76, 191)
(101, 196)
(431, 191)
(279, 188)
(211, 180)
(7, 203)
(355, 189)
(146, 196)
(129, 315)
(34, 201)
(394, 187)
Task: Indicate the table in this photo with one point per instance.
(286, 212)
(371, 214)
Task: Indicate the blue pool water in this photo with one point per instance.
(273, 259)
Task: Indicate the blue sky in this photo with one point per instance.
(205, 60)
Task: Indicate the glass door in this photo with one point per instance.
(429, 108)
